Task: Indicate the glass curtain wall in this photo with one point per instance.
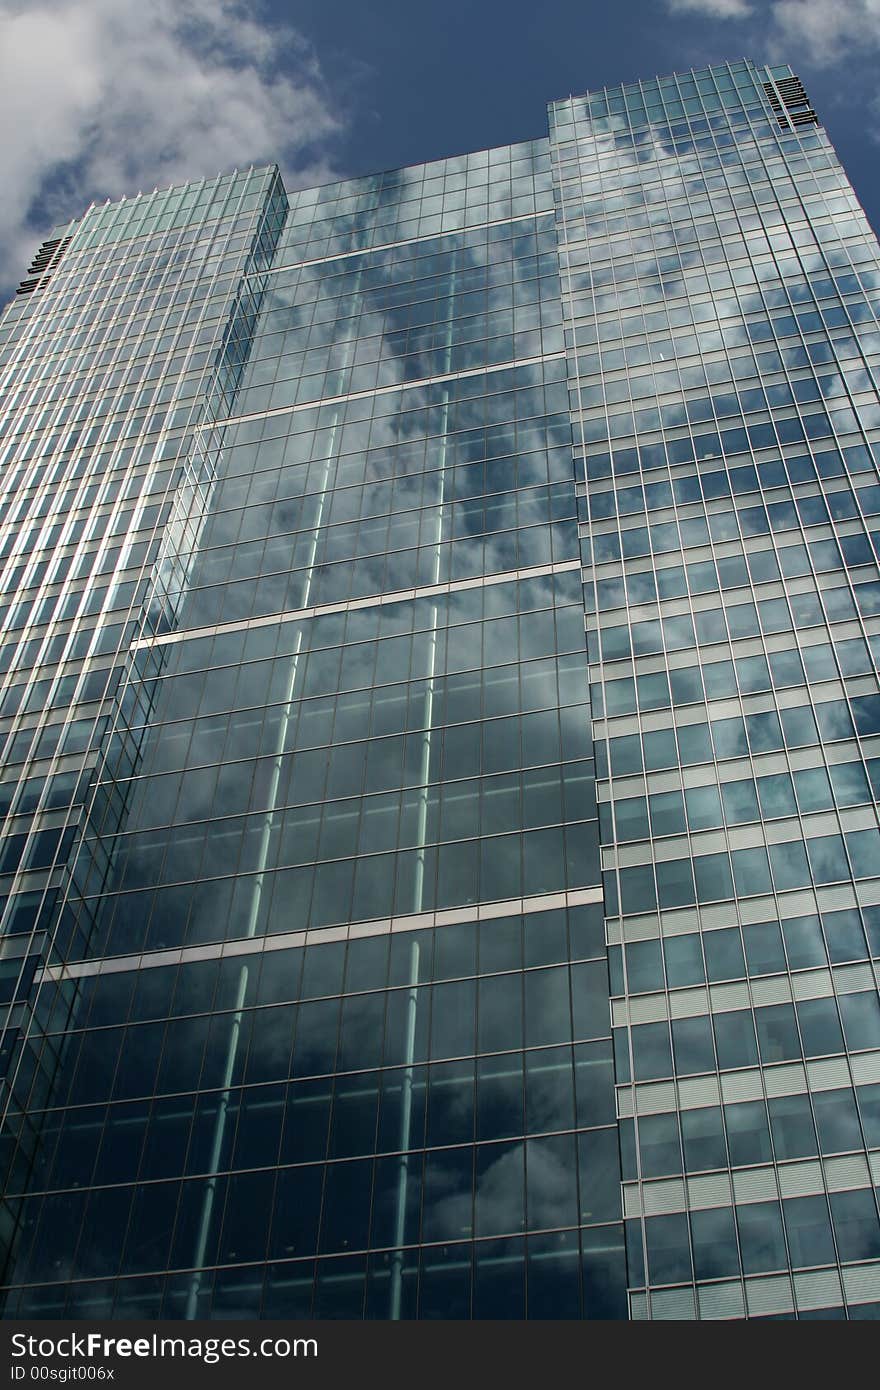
(721, 296)
(439, 693)
(333, 1023)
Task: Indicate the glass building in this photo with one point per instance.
(440, 734)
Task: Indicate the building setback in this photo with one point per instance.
(440, 734)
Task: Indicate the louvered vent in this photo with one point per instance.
(790, 103)
(44, 261)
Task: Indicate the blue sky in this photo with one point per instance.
(107, 97)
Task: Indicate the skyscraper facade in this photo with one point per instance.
(440, 866)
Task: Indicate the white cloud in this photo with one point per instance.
(823, 31)
(826, 30)
(714, 9)
(104, 97)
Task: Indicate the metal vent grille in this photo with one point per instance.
(790, 103)
(44, 261)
